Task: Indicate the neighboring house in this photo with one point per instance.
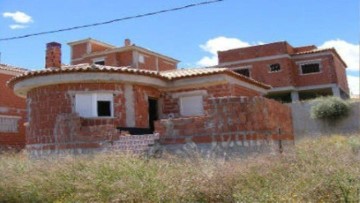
(95, 52)
(295, 73)
(81, 107)
(12, 111)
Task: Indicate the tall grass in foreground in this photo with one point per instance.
(325, 169)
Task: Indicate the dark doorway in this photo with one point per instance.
(153, 112)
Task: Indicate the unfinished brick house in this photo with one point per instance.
(87, 106)
(12, 111)
(295, 73)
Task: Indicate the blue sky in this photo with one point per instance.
(191, 36)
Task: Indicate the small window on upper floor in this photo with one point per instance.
(274, 67)
(310, 68)
(141, 58)
(243, 71)
(99, 61)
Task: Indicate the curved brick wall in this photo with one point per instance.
(53, 123)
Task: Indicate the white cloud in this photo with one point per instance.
(17, 26)
(349, 52)
(354, 84)
(18, 17)
(219, 44)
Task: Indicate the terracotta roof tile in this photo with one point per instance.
(313, 51)
(168, 75)
(180, 73)
(322, 50)
(193, 72)
(12, 68)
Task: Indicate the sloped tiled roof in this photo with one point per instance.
(12, 68)
(167, 75)
(192, 72)
(313, 51)
(181, 73)
(321, 50)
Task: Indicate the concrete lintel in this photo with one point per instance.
(265, 58)
(22, 87)
(10, 116)
(314, 87)
(232, 80)
(281, 89)
(190, 93)
(304, 88)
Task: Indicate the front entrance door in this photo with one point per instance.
(153, 112)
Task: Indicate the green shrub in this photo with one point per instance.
(330, 108)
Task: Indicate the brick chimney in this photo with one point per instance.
(53, 55)
(127, 42)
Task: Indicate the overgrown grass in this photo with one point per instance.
(321, 170)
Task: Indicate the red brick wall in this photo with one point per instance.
(325, 76)
(141, 95)
(124, 58)
(260, 71)
(254, 52)
(51, 106)
(171, 105)
(290, 75)
(47, 104)
(97, 47)
(166, 65)
(228, 118)
(78, 50)
(341, 75)
(12, 105)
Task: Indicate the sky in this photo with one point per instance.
(193, 35)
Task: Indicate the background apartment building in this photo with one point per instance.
(295, 73)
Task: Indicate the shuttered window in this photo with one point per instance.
(9, 124)
(94, 104)
(191, 106)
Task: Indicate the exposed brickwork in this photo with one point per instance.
(171, 104)
(231, 118)
(53, 55)
(78, 50)
(340, 73)
(87, 51)
(52, 117)
(13, 106)
(326, 75)
(262, 56)
(254, 52)
(142, 94)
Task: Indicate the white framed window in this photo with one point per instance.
(243, 70)
(9, 124)
(275, 67)
(90, 105)
(191, 105)
(309, 67)
(99, 61)
(141, 58)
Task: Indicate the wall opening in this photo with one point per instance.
(153, 112)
